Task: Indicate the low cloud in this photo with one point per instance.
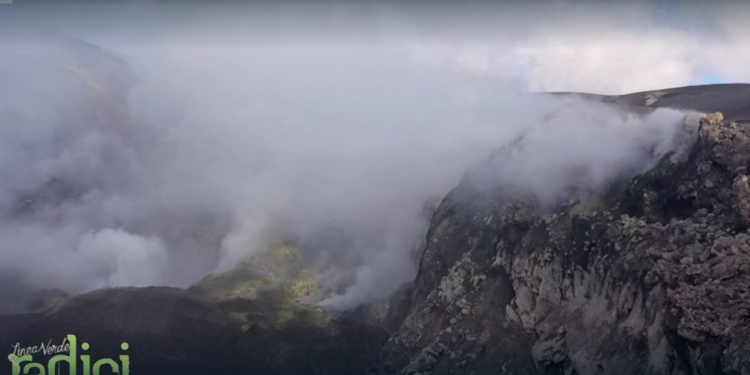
(235, 137)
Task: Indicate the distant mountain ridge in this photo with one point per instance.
(731, 99)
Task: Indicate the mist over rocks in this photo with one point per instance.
(650, 278)
(580, 149)
(200, 160)
(201, 181)
(593, 226)
(332, 188)
(212, 157)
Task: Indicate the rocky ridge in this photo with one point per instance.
(654, 278)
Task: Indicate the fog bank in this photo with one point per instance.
(211, 153)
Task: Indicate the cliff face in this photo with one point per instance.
(652, 279)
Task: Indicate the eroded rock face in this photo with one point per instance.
(653, 279)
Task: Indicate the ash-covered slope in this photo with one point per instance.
(203, 330)
(654, 278)
(729, 99)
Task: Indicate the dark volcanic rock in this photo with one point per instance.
(655, 279)
(172, 331)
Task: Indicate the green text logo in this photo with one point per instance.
(24, 362)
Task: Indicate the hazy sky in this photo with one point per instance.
(602, 47)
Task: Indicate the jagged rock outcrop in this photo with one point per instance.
(654, 278)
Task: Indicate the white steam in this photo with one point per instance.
(253, 148)
(575, 151)
(122, 258)
(219, 154)
(219, 150)
(584, 147)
